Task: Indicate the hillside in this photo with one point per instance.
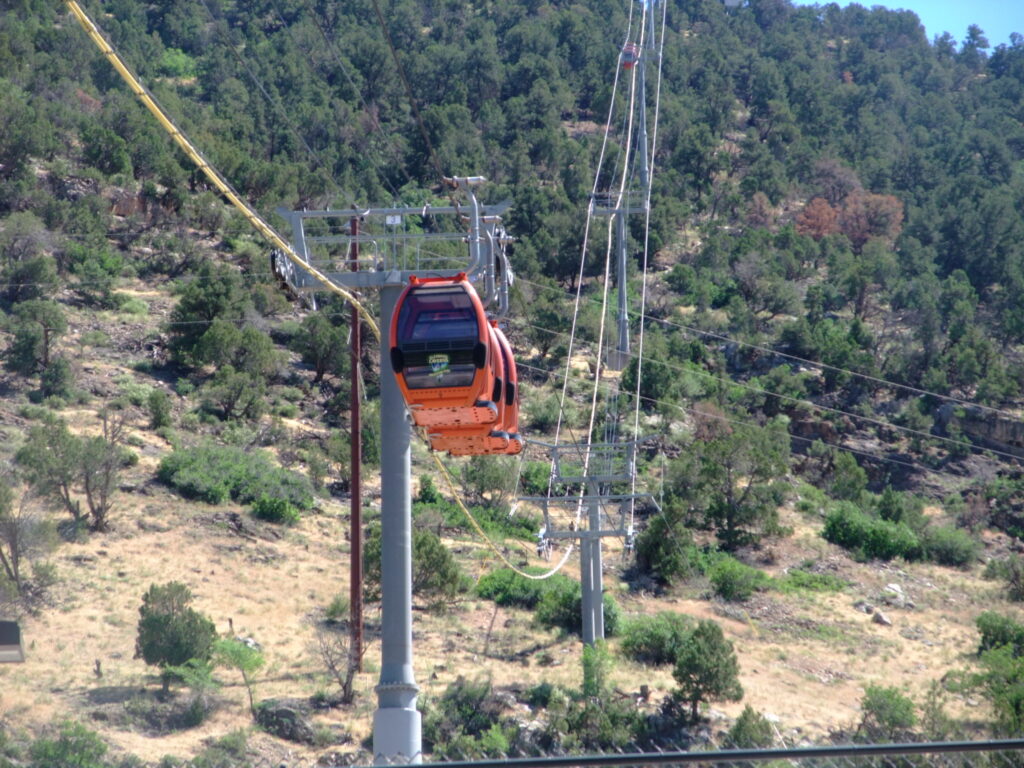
(830, 380)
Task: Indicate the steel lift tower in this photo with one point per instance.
(388, 257)
(634, 199)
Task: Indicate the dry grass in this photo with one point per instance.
(804, 658)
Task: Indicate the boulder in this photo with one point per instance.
(287, 720)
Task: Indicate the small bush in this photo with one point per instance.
(159, 403)
(435, 573)
(949, 546)
(655, 639)
(540, 694)
(215, 474)
(561, 607)
(797, 579)
(57, 379)
(95, 338)
(428, 493)
(231, 750)
(508, 588)
(871, 538)
(465, 723)
(135, 392)
(886, 712)
(997, 630)
(735, 581)
(1010, 571)
(338, 608)
(597, 661)
(496, 521)
(275, 510)
(75, 745)
(130, 305)
(665, 550)
(750, 731)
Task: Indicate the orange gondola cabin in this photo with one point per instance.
(503, 436)
(442, 354)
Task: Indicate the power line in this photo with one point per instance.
(332, 48)
(740, 422)
(812, 404)
(796, 358)
(276, 102)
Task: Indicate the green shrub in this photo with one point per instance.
(946, 545)
(464, 723)
(231, 750)
(508, 588)
(75, 747)
(338, 608)
(95, 338)
(797, 579)
(561, 606)
(706, 668)
(750, 731)
(597, 661)
(665, 550)
(135, 392)
(215, 474)
(57, 379)
(533, 479)
(655, 639)
(997, 630)
(540, 694)
(159, 403)
(130, 305)
(735, 581)
(886, 712)
(436, 575)
(496, 521)
(871, 538)
(1010, 571)
(170, 632)
(593, 724)
(275, 510)
(428, 493)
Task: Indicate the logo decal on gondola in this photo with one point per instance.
(438, 363)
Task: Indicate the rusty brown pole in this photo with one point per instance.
(355, 482)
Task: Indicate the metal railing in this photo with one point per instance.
(961, 754)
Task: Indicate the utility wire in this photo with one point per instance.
(211, 173)
(412, 98)
(817, 406)
(333, 50)
(795, 358)
(740, 422)
(276, 103)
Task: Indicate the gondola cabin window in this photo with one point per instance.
(438, 332)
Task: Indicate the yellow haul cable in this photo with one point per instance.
(211, 173)
(267, 231)
(481, 534)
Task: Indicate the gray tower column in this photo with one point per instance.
(396, 722)
(591, 576)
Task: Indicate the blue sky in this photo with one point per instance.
(998, 18)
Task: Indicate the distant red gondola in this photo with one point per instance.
(630, 55)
